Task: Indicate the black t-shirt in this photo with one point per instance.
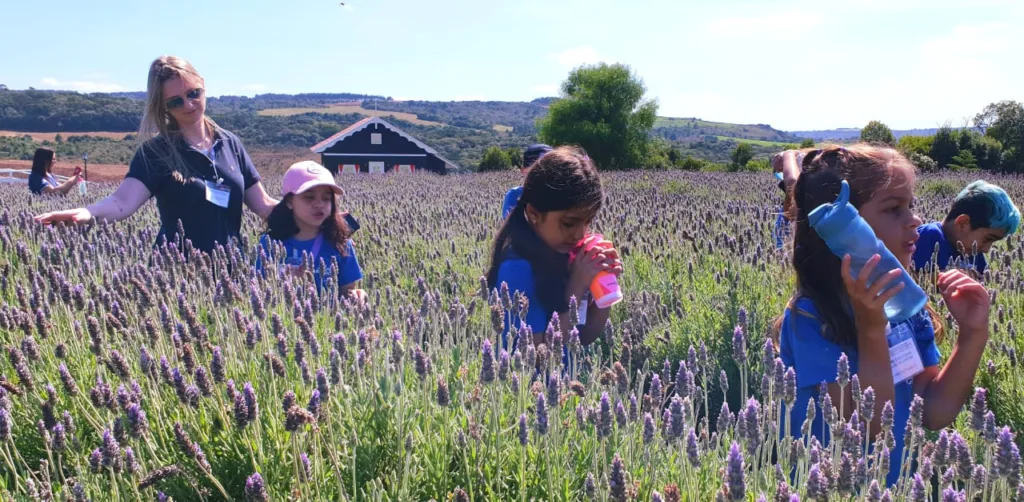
(183, 196)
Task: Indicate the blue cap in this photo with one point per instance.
(779, 176)
(533, 153)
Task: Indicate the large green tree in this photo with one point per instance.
(877, 133)
(740, 156)
(603, 110)
(1004, 122)
(495, 159)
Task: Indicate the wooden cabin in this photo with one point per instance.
(373, 145)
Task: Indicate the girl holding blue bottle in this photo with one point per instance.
(877, 319)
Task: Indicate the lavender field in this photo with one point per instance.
(129, 376)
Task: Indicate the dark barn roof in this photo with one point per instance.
(349, 131)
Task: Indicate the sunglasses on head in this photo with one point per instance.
(178, 102)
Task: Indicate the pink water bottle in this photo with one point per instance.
(605, 287)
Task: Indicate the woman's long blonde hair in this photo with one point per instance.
(159, 131)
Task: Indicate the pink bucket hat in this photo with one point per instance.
(302, 176)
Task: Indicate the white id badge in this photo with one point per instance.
(584, 304)
(219, 195)
(904, 357)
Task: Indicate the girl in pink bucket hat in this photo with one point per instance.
(307, 227)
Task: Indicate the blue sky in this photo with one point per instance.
(794, 64)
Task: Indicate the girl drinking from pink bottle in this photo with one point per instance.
(561, 197)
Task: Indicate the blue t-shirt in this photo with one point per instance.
(518, 274)
(36, 183)
(348, 265)
(932, 234)
(511, 199)
(814, 358)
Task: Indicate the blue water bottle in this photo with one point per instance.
(846, 233)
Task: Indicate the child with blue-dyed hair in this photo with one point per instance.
(982, 214)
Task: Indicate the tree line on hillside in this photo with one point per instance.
(996, 143)
(521, 117)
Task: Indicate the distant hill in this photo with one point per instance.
(694, 129)
(853, 133)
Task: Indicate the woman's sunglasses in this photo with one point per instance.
(178, 102)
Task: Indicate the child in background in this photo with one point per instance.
(786, 166)
(834, 312)
(982, 214)
(531, 155)
(308, 221)
(561, 196)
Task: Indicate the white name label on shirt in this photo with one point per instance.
(219, 195)
(904, 357)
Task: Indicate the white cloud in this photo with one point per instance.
(545, 89)
(80, 85)
(576, 56)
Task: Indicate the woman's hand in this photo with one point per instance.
(868, 304)
(967, 300)
(75, 216)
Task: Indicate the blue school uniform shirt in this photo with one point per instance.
(511, 199)
(518, 274)
(813, 358)
(348, 265)
(932, 234)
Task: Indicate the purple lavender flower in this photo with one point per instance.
(522, 430)
(217, 366)
(59, 438)
(443, 397)
(867, 404)
(723, 382)
(96, 460)
(241, 411)
(843, 370)
(656, 391)
(692, 448)
(620, 414)
(739, 347)
(68, 381)
(255, 491)
(919, 493)
(846, 472)
(203, 381)
(131, 464)
(288, 400)
(751, 416)
(978, 409)
(817, 484)
(553, 389)
(314, 403)
(6, 425)
(322, 384)
(617, 480)
(648, 434)
(307, 467)
(111, 453)
(768, 358)
(604, 427)
(789, 387)
(504, 362)
(542, 415)
(487, 366)
(589, 486)
(734, 473)
(137, 423)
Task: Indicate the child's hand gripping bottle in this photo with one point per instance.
(846, 233)
(605, 287)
